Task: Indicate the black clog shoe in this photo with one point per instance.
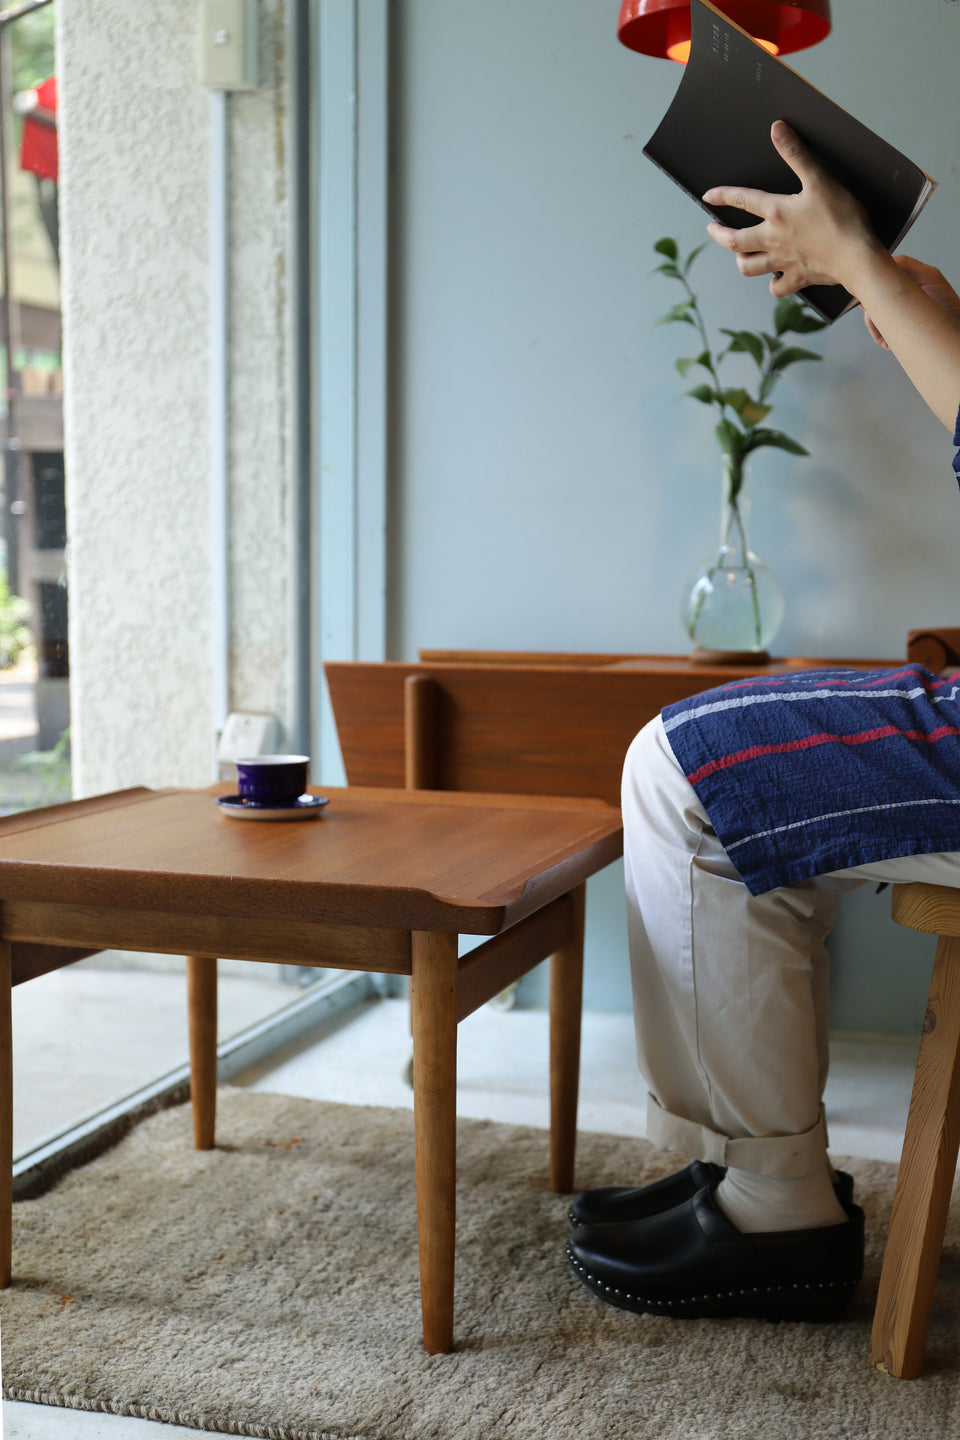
(691, 1261)
(622, 1204)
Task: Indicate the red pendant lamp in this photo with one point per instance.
(662, 27)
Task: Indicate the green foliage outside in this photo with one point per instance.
(740, 430)
(49, 773)
(31, 49)
(16, 638)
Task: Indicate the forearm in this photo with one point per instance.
(923, 336)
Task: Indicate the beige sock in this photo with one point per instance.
(761, 1203)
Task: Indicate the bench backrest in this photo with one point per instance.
(534, 730)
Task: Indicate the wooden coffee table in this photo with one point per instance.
(385, 881)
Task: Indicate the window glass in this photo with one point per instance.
(92, 1033)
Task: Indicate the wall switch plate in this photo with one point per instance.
(245, 733)
(228, 44)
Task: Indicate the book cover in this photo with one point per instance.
(717, 132)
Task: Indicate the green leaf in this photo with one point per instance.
(693, 255)
(789, 355)
(702, 359)
(772, 343)
(751, 411)
(734, 398)
(808, 323)
(668, 268)
(786, 313)
(791, 314)
(678, 314)
(667, 247)
(745, 342)
(703, 393)
(731, 439)
(775, 438)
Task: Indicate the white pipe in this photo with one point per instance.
(219, 413)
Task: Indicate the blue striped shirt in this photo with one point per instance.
(806, 773)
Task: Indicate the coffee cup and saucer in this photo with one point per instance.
(272, 787)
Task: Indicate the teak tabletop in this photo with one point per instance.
(383, 880)
(473, 864)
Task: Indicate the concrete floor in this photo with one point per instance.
(85, 1036)
(361, 1058)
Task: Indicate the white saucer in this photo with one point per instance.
(307, 807)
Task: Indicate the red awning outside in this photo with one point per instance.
(38, 146)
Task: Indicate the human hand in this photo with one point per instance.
(931, 281)
(816, 237)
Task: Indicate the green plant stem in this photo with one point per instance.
(749, 569)
(695, 309)
(733, 475)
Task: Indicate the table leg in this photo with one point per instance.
(202, 1023)
(566, 1000)
(434, 1017)
(6, 1118)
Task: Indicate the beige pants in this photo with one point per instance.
(730, 989)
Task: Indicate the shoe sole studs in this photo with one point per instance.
(839, 1291)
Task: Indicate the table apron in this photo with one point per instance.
(291, 942)
(497, 963)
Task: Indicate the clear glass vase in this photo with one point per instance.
(734, 605)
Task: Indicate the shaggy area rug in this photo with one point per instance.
(269, 1288)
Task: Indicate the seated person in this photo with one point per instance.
(746, 811)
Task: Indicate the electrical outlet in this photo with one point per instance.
(245, 733)
(228, 44)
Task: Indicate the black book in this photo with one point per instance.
(717, 132)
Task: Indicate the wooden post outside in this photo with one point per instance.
(202, 1020)
(924, 1182)
(434, 1016)
(6, 1118)
(566, 1000)
(420, 732)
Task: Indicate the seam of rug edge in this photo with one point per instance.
(163, 1416)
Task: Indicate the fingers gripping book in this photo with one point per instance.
(717, 132)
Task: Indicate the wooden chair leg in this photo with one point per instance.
(202, 1023)
(6, 1119)
(566, 1000)
(925, 1180)
(434, 1015)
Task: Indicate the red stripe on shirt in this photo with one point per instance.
(806, 742)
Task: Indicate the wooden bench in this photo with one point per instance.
(523, 724)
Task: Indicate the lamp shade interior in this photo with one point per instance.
(662, 27)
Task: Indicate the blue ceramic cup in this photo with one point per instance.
(275, 780)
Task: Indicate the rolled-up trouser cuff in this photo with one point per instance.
(762, 1155)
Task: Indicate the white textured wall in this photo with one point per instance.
(261, 665)
(134, 195)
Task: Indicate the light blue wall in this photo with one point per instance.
(549, 490)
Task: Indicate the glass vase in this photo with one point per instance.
(734, 606)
